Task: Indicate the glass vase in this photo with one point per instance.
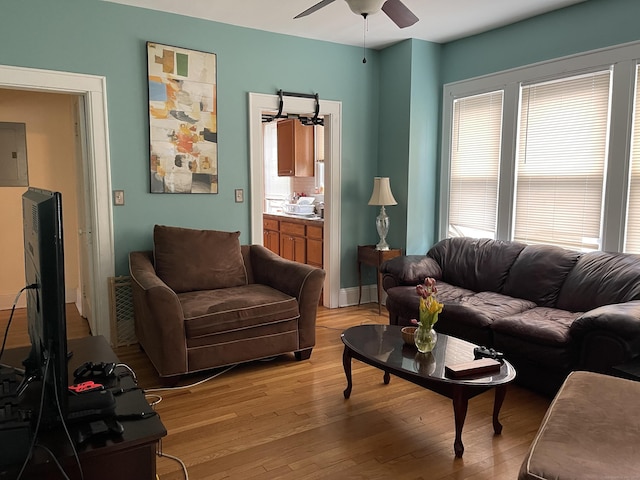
(425, 339)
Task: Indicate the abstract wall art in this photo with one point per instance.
(183, 133)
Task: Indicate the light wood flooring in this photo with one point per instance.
(284, 419)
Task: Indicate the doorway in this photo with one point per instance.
(332, 113)
(93, 133)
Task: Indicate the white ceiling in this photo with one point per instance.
(440, 20)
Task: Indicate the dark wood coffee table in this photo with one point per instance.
(382, 346)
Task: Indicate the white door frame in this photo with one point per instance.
(332, 112)
(96, 162)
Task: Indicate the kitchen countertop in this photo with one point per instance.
(300, 218)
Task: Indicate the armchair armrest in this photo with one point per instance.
(301, 281)
(408, 270)
(609, 335)
(158, 315)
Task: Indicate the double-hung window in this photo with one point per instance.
(632, 239)
(475, 161)
(561, 159)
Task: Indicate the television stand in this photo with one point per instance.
(129, 455)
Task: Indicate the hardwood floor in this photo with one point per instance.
(284, 419)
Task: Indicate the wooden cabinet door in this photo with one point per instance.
(293, 248)
(295, 149)
(314, 252)
(272, 241)
(286, 148)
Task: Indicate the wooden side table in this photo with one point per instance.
(368, 255)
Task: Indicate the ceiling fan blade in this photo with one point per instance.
(399, 13)
(315, 8)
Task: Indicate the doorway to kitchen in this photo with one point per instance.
(331, 111)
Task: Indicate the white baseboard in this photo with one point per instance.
(349, 296)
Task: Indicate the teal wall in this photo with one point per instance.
(101, 38)
(582, 27)
(409, 113)
(391, 105)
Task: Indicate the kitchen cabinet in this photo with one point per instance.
(314, 245)
(272, 235)
(296, 239)
(295, 149)
(293, 244)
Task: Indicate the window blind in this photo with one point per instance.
(632, 237)
(561, 160)
(475, 162)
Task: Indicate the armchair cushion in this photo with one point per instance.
(188, 259)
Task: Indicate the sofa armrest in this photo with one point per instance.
(408, 270)
(608, 335)
(304, 282)
(159, 319)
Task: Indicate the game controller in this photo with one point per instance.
(84, 387)
(90, 369)
(484, 352)
(87, 431)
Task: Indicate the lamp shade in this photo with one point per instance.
(382, 192)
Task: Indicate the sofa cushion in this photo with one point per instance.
(477, 264)
(539, 272)
(601, 278)
(235, 309)
(188, 259)
(540, 325)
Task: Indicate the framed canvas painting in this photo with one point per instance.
(183, 133)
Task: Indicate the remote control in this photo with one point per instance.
(484, 352)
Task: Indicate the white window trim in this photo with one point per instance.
(624, 58)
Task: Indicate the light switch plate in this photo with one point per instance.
(239, 195)
(118, 197)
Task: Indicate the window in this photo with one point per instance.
(568, 147)
(562, 147)
(475, 160)
(277, 190)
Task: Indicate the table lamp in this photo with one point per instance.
(382, 196)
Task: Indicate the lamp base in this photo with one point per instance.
(382, 226)
(383, 245)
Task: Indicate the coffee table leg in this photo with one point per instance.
(460, 404)
(346, 363)
(501, 391)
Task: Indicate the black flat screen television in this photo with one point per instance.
(46, 365)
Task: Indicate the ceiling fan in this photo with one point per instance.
(395, 10)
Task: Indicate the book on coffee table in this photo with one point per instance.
(475, 367)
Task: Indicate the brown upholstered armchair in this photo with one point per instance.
(201, 300)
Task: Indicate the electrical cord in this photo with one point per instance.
(55, 460)
(37, 429)
(13, 309)
(183, 387)
(160, 453)
(64, 423)
(133, 374)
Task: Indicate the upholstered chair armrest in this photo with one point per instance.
(298, 280)
(159, 319)
(608, 335)
(408, 270)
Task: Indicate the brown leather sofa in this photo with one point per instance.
(201, 300)
(548, 309)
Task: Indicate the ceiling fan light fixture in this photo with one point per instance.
(365, 7)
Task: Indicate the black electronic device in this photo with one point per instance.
(484, 352)
(46, 365)
(90, 369)
(97, 428)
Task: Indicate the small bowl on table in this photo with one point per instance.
(407, 335)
